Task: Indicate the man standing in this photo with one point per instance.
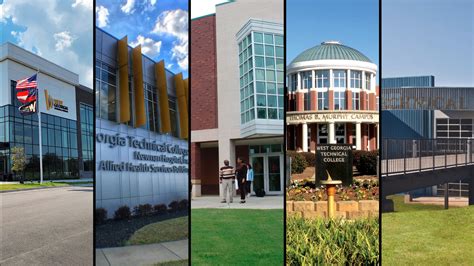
(241, 173)
(227, 178)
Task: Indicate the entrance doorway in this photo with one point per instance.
(268, 169)
(3, 168)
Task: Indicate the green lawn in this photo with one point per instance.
(236, 237)
(31, 185)
(169, 230)
(174, 263)
(418, 234)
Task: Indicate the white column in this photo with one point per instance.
(372, 82)
(298, 85)
(305, 137)
(331, 81)
(378, 135)
(331, 133)
(358, 136)
(363, 80)
(313, 77)
(348, 79)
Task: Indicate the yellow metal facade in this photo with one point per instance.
(162, 92)
(182, 105)
(122, 58)
(139, 91)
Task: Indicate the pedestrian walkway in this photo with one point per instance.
(267, 202)
(143, 254)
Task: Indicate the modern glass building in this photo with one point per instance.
(332, 98)
(66, 132)
(141, 127)
(405, 82)
(238, 90)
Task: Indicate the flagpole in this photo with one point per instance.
(39, 128)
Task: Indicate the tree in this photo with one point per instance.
(18, 161)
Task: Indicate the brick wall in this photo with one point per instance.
(344, 209)
(203, 73)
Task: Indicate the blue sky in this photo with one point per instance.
(201, 8)
(160, 26)
(429, 37)
(353, 23)
(58, 30)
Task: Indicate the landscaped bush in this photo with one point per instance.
(143, 210)
(100, 215)
(298, 164)
(160, 209)
(173, 206)
(183, 205)
(310, 158)
(122, 213)
(332, 242)
(366, 162)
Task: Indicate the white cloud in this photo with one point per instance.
(149, 46)
(152, 2)
(129, 7)
(63, 40)
(175, 23)
(102, 16)
(59, 33)
(84, 3)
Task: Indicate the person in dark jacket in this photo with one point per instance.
(241, 174)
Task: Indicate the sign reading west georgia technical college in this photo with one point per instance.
(332, 116)
(149, 156)
(335, 159)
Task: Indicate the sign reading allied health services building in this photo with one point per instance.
(337, 160)
(150, 156)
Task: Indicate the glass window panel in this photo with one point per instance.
(279, 51)
(280, 76)
(270, 75)
(269, 51)
(260, 74)
(271, 88)
(269, 38)
(272, 113)
(261, 101)
(272, 101)
(279, 64)
(279, 40)
(260, 87)
(270, 62)
(259, 61)
(261, 113)
(258, 37)
(258, 49)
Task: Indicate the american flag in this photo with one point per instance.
(26, 93)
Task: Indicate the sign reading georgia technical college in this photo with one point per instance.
(147, 155)
(57, 98)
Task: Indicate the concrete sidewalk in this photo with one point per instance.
(267, 202)
(143, 254)
(54, 181)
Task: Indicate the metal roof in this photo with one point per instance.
(331, 50)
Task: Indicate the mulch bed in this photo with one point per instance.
(114, 233)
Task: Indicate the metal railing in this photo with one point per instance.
(409, 155)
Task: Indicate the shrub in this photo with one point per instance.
(122, 213)
(298, 164)
(160, 209)
(100, 215)
(173, 206)
(310, 158)
(183, 205)
(332, 242)
(366, 162)
(143, 210)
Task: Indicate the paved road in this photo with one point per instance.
(47, 227)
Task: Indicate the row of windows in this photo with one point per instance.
(106, 100)
(322, 79)
(454, 128)
(261, 66)
(87, 136)
(340, 101)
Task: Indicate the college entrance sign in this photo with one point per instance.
(335, 159)
(371, 117)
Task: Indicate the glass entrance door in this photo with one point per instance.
(3, 168)
(267, 171)
(258, 167)
(274, 174)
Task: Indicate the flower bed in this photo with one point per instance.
(306, 190)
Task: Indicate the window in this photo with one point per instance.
(322, 133)
(356, 79)
(339, 78)
(151, 108)
(173, 116)
(322, 78)
(323, 101)
(454, 128)
(340, 133)
(355, 100)
(339, 100)
(367, 81)
(294, 82)
(261, 76)
(307, 101)
(106, 86)
(87, 136)
(307, 79)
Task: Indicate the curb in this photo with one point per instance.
(36, 188)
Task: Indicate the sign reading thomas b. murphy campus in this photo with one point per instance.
(151, 156)
(337, 160)
(332, 116)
